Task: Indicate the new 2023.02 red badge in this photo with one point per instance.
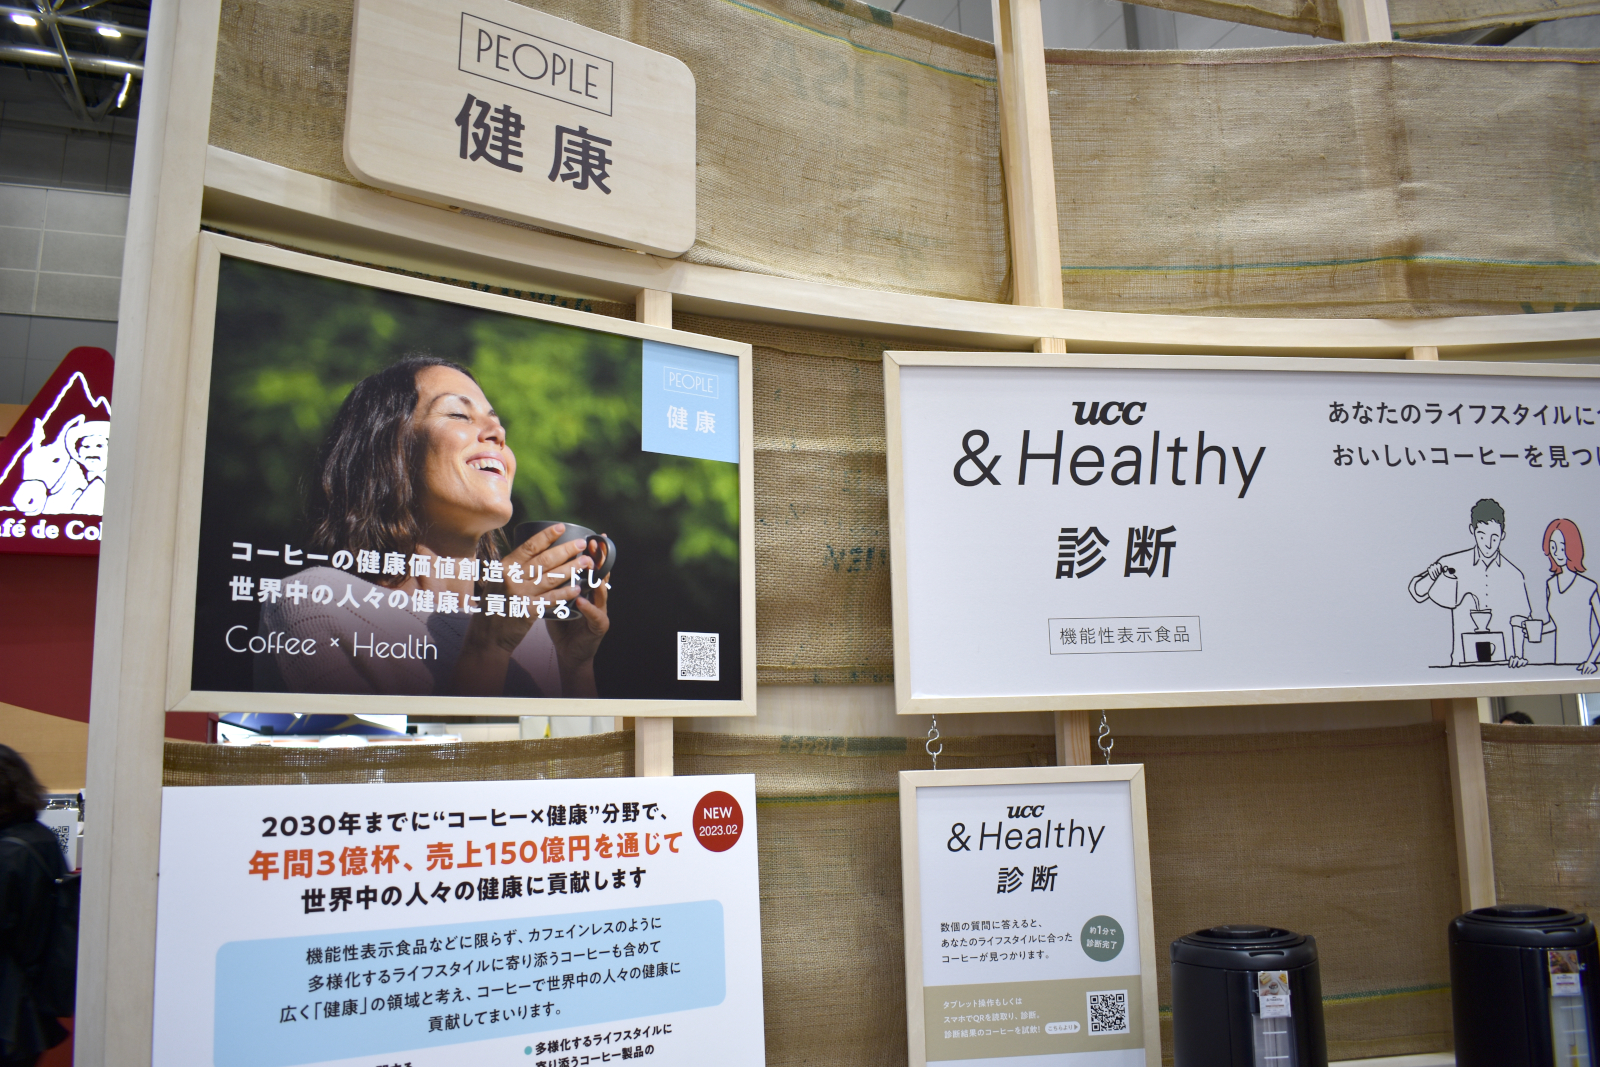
(718, 822)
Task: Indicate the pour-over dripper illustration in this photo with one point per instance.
(1482, 645)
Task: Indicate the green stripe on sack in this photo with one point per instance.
(826, 798)
(1315, 264)
(1350, 998)
(774, 16)
(1385, 994)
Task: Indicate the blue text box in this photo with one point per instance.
(496, 977)
(690, 402)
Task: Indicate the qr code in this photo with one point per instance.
(63, 838)
(699, 657)
(1108, 1012)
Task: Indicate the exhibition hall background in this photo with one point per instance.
(1225, 183)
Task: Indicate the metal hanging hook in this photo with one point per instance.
(1104, 741)
(933, 735)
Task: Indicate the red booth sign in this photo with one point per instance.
(53, 482)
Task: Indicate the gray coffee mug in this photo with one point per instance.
(574, 532)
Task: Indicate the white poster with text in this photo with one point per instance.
(514, 922)
(1195, 530)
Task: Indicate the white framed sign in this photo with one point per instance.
(1029, 934)
(502, 108)
(1167, 531)
(523, 922)
(399, 495)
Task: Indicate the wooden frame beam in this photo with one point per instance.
(1469, 793)
(116, 940)
(1026, 156)
(1365, 21)
(1074, 748)
(258, 199)
(652, 737)
(652, 747)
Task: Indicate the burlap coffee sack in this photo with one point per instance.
(835, 143)
(594, 756)
(822, 502)
(1347, 835)
(832, 918)
(1407, 18)
(1389, 180)
(1544, 811)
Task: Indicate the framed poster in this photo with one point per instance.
(1029, 934)
(1177, 531)
(397, 492)
(438, 923)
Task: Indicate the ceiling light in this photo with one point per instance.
(108, 31)
(127, 80)
(24, 20)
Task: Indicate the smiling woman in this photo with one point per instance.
(415, 480)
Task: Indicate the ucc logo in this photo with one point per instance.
(1100, 412)
(1025, 811)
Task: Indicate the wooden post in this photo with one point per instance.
(653, 307)
(652, 737)
(652, 747)
(1365, 20)
(128, 684)
(1469, 792)
(1073, 747)
(1030, 172)
(1026, 154)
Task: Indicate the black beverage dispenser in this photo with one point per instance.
(1522, 987)
(1247, 996)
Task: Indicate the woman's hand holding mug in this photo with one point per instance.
(491, 639)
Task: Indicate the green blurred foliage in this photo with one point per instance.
(709, 493)
(561, 396)
(290, 347)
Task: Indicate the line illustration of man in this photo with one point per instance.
(1479, 579)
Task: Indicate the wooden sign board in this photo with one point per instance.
(1028, 921)
(494, 106)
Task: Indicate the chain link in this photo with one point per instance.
(1105, 741)
(933, 735)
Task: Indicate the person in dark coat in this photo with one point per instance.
(30, 862)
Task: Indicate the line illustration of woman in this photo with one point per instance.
(1572, 599)
(416, 464)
